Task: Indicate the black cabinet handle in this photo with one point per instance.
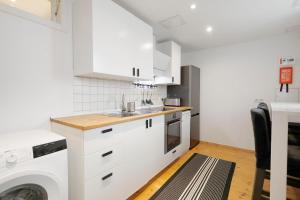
(194, 115)
(107, 154)
(133, 71)
(174, 151)
(172, 79)
(150, 122)
(138, 72)
(147, 125)
(107, 130)
(107, 176)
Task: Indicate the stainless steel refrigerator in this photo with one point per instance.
(189, 94)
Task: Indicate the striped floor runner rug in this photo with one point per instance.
(201, 178)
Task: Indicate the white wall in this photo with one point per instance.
(35, 72)
(232, 77)
(36, 75)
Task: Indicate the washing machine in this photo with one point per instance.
(33, 166)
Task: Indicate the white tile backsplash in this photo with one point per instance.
(97, 95)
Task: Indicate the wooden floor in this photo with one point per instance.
(242, 182)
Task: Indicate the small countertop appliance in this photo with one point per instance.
(172, 102)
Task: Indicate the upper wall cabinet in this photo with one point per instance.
(110, 42)
(173, 50)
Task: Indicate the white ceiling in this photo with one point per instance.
(233, 21)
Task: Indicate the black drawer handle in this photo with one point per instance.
(107, 154)
(147, 125)
(194, 115)
(174, 151)
(150, 122)
(138, 72)
(107, 176)
(133, 71)
(107, 130)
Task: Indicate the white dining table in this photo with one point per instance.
(282, 114)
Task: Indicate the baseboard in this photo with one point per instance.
(227, 146)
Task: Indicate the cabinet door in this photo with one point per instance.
(156, 143)
(186, 131)
(143, 148)
(176, 64)
(173, 50)
(155, 136)
(113, 35)
(121, 41)
(143, 53)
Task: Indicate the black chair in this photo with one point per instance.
(262, 136)
(294, 128)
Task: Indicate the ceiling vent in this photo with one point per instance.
(173, 22)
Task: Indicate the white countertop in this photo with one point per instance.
(285, 107)
(282, 114)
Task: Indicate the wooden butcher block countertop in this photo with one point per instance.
(92, 121)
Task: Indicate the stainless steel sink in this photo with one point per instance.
(121, 114)
(154, 110)
(139, 112)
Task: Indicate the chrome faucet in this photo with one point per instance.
(143, 103)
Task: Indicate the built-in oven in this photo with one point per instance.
(172, 131)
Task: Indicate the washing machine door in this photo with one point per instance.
(25, 192)
(31, 187)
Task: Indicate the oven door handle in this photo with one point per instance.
(173, 122)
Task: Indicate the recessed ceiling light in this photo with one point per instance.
(209, 29)
(193, 6)
(13, 1)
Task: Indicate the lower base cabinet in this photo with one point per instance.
(111, 184)
(186, 131)
(112, 163)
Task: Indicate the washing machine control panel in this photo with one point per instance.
(13, 157)
(49, 148)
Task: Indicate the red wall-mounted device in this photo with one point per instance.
(286, 77)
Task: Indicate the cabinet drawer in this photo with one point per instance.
(172, 155)
(101, 138)
(109, 185)
(96, 162)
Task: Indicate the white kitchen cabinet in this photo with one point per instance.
(185, 131)
(162, 62)
(155, 145)
(184, 145)
(110, 42)
(172, 155)
(173, 50)
(113, 162)
(110, 184)
(143, 149)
